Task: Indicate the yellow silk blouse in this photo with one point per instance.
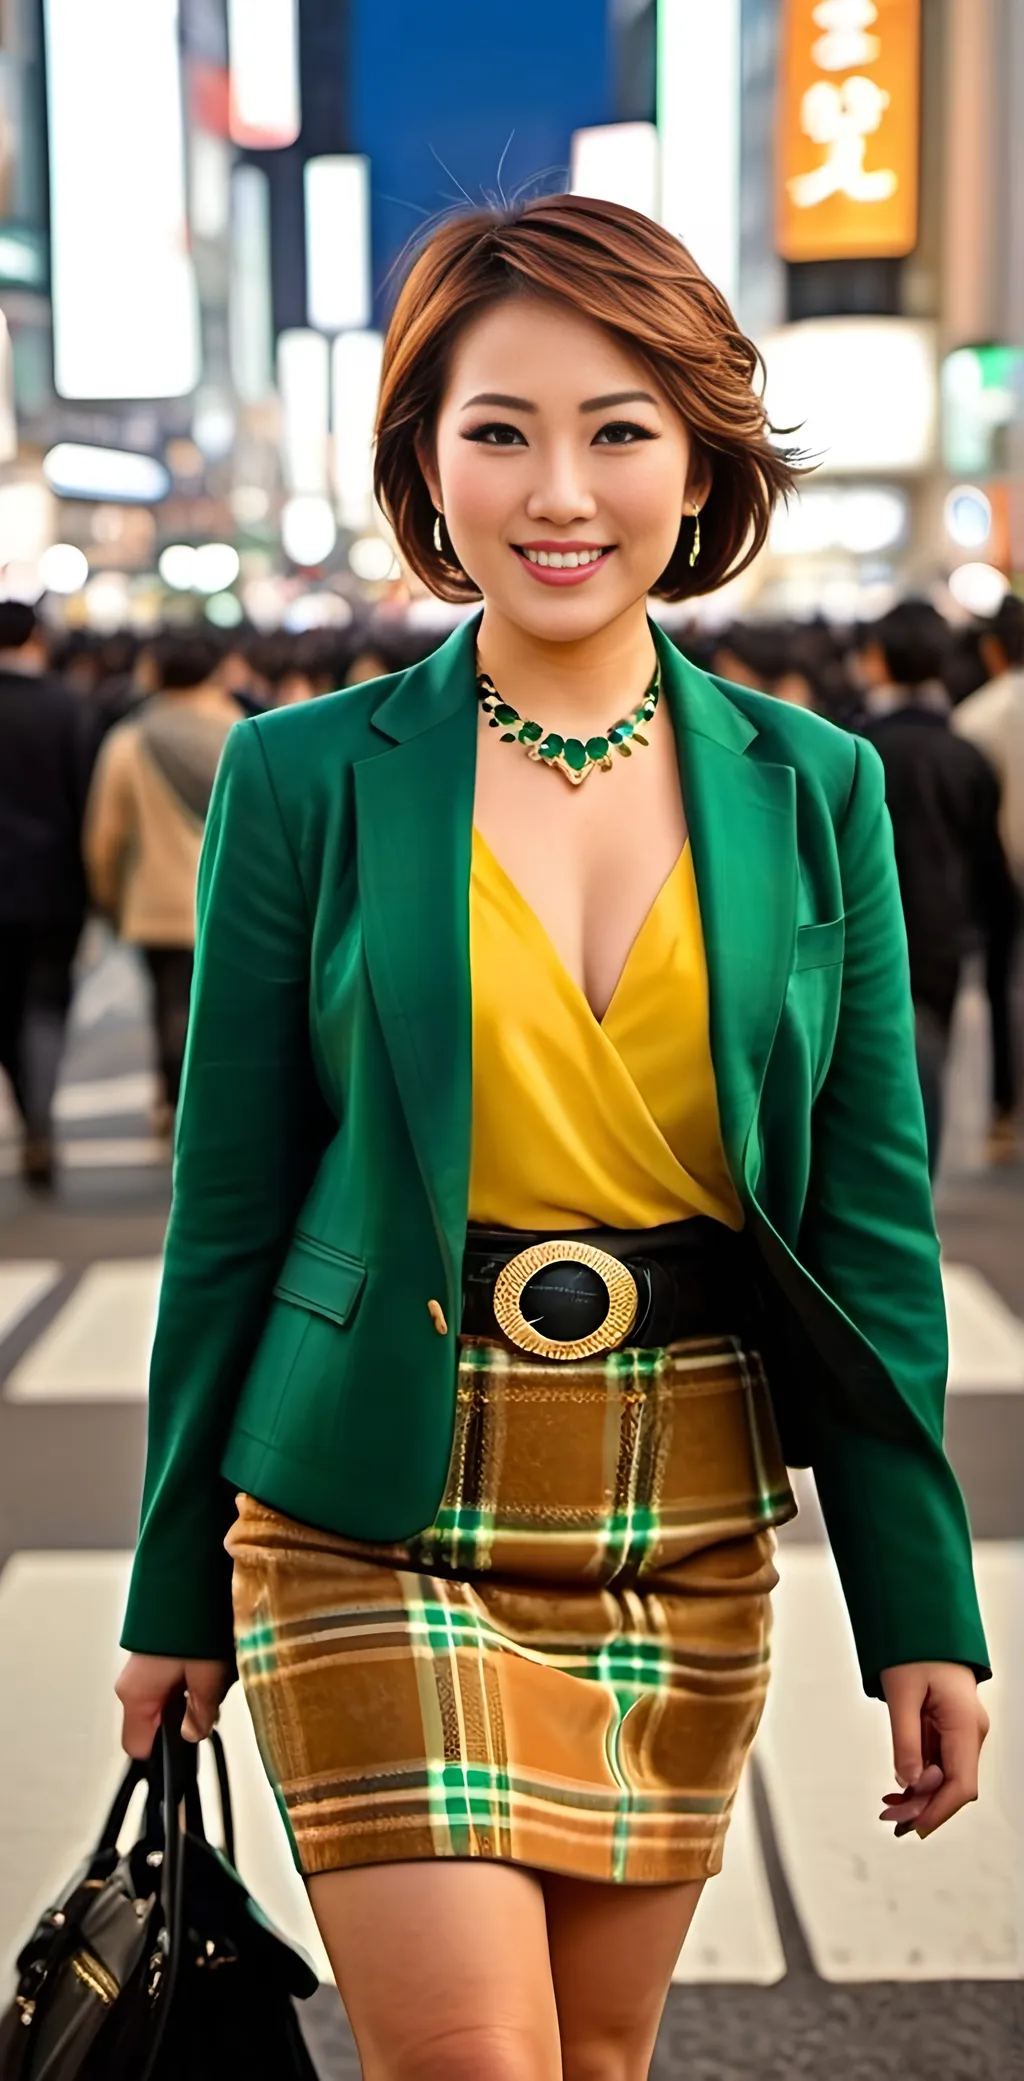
(580, 1122)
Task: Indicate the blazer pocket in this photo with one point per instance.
(818, 946)
(318, 1277)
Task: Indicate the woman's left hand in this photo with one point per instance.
(938, 1726)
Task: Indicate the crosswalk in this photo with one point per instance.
(97, 1346)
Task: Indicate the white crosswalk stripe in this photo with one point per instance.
(872, 1908)
(97, 1348)
(21, 1286)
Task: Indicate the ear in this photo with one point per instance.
(425, 457)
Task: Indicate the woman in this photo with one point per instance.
(497, 1173)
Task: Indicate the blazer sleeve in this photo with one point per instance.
(893, 1510)
(251, 1124)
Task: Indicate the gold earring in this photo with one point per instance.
(695, 551)
(437, 534)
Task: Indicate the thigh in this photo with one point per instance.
(613, 1950)
(443, 1969)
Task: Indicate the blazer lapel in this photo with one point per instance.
(414, 812)
(741, 813)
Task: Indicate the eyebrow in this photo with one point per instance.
(592, 404)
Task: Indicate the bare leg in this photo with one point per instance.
(443, 1969)
(613, 1949)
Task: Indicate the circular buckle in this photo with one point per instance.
(623, 1300)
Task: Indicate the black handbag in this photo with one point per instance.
(156, 1964)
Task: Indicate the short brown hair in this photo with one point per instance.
(615, 266)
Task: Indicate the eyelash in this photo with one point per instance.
(492, 426)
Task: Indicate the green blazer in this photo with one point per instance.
(322, 1162)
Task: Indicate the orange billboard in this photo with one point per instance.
(849, 129)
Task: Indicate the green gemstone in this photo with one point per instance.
(505, 714)
(551, 746)
(531, 731)
(614, 734)
(494, 724)
(648, 711)
(575, 754)
(597, 748)
(508, 737)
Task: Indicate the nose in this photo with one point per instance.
(562, 493)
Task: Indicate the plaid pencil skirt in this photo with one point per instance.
(566, 1670)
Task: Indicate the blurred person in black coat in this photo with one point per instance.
(943, 799)
(46, 750)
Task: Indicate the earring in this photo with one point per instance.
(695, 551)
(437, 535)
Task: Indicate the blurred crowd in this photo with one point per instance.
(109, 748)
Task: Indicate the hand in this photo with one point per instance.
(146, 1685)
(938, 1726)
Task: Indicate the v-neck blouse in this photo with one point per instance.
(580, 1122)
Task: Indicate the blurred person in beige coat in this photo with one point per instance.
(993, 720)
(144, 828)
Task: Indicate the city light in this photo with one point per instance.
(215, 568)
(125, 309)
(337, 192)
(618, 162)
(864, 520)
(308, 530)
(372, 558)
(250, 315)
(263, 40)
(177, 566)
(76, 471)
(861, 392)
(63, 568)
(356, 365)
(978, 588)
(224, 611)
(968, 516)
(699, 129)
(304, 381)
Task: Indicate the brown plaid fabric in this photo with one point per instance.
(566, 1670)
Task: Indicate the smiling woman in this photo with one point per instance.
(602, 262)
(550, 1175)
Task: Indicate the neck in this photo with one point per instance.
(582, 684)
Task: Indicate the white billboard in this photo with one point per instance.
(125, 311)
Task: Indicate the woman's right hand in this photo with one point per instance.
(147, 1684)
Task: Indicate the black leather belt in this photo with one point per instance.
(575, 1295)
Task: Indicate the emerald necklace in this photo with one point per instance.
(570, 755)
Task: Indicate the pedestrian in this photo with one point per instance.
(504, 1162)
(992, 718)
(144, 826)
(943, 799)
(46, 749)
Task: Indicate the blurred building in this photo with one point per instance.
(204, 203)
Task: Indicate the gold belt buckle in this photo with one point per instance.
(623, 1300)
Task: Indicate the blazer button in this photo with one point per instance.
(436, 1313)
